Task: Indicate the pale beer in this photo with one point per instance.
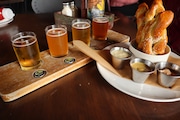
(27, 50)
(81, 30)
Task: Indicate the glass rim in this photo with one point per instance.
(20, 34)
(81, 19)
(105, 19)
(104, 16)
(48, 27)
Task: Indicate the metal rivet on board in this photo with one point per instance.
(39, 73)
(69, 60)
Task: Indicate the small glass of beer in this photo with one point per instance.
(100, 28)
(111, 19)
(27, 51)
(81, 30)
(57, 39)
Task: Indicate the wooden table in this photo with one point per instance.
(82, 94)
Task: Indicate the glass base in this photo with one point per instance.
(31, 67)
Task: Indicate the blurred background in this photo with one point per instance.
(26, 6)
(18, 6)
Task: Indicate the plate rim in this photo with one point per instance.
(99, 67)
(135, 95)
(4, 23)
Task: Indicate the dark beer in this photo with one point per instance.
(100, 28)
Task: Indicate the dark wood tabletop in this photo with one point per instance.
(81, 95)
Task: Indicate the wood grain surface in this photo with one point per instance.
(16, 83)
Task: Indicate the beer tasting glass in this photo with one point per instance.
(27, 51)
(57, 39)
(100, 28)
(81, 30)
(111, 19)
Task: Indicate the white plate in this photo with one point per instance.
(4, 22)
(137, 90)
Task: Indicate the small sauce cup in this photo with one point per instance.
(141, 69)
(167, 73)
(120, 56)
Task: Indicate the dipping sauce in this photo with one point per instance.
(140, 67)
(120, 53)
(120, 56)
(170, 72)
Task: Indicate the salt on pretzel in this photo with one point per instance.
(151, 35)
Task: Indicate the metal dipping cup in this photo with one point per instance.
(27, 51)
(167, 73)
(120, 56)
(138, 75)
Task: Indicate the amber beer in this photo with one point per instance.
(57, 39)
(100, 28)
(26, 49)
(81, 30)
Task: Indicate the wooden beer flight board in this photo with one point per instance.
(15, 83)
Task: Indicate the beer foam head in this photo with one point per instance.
(81, 25)
(101, 19)
(23, 41)
(56, 32)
